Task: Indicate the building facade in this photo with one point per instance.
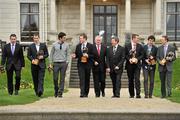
(115, 17)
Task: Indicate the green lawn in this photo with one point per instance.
(175, 83)
(26, 93)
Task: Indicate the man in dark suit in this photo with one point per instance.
(149, 66)
(134, 55)
(84, 53)
(165, 57)
(99, 66)
(12, 56)
(115, 61)
(37, 53)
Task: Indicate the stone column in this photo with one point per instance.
(53, 20)
(158, 29)
(127, 21)
(82, 15)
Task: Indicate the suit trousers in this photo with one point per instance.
(133, 72)
(148, 74)
(116, 82)
(166, 78)
(84, 71)
(10, 79)
(99, 81)
(59, 67)
(38, 78)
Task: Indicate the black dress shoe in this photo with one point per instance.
(138, 96)
(131, 97)
(103, 94)
(40, 94)
(16, 92)
(150, 96)
(97, 96)
(145, 96)
(81, 96)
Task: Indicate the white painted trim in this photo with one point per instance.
(29, 1)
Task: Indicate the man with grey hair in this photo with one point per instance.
(115, 61)
(99, 66)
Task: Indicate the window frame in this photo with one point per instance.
(29, 13)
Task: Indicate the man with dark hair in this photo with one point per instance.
(99, 66)
(37, 53)
(84, 53)
(59, 59)
(134, 55)
(115, 61)
(149, 66)
(12, 56)
(165, 57)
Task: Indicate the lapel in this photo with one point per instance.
(15, 49)
(162, 51)
(34, 47)
(168, 50)
(9, 48)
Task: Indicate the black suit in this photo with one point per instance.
(149, 70)
(99, 71)
(84, 69)
(133, 70)
(116, 59)
(14, 62)
(38, 71)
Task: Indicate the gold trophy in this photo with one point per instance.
(132, 53)
(151, 59)
(84, 58)
(36, 61)
(169, 57)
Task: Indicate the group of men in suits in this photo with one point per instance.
(103, 60)
(96, 57)
(13, 61)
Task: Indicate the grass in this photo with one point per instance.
(26, 92)
(175, 83)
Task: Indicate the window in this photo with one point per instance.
(172, 21)
(105, 18)
(29, 18)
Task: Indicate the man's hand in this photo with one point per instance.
(96, 63)
(108, 70)
(116, 68)
(147, 61)
(73, 55)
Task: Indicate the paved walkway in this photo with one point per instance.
(72, 103)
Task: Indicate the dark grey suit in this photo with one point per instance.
(14, 63)
(165, 71)
(38, 71)
(113, 60)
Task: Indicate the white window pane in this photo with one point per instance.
(24, 8)
(34, 8)
(34, 22)
(171, 7)
(25, 22)
(170, 22)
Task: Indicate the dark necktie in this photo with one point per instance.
(114, 50)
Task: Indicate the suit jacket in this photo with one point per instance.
(153, 53)
(139, 54)
(99, 58)
(160, 55)
(32, 54)
(79, 54)
(116, 59)
(17, 59)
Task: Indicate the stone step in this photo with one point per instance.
(88, 115)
